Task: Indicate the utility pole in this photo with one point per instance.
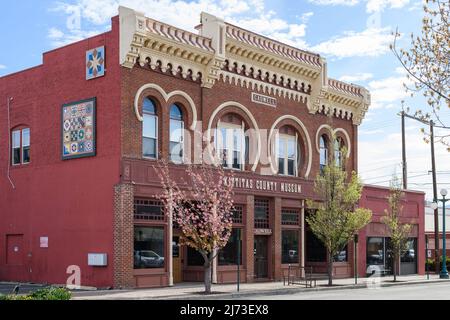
(435, 197)
(404, 164)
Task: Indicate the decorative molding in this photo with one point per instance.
(263, 87)
(308, 141)
(167, 98)
(333, 132)
(252, 119)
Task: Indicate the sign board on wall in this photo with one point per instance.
(261, 99)
(43, 242)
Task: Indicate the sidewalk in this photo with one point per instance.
(192, 291)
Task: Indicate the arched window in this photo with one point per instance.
(231, 143)
(20, 147)
(176, 134)
(323, 152)
(150, 130)
(288, 153)
(338, 155)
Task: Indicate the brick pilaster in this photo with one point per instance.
(250, 225)
(123, 236)
(276, 242)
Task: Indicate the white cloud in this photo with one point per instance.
(380, 5)
(348, 3)
(371, 42)
(59, 38)
(2, 66)
(250, 14)
(357, 77)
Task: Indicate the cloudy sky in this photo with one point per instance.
(354, 35)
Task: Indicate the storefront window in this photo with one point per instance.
(289, 246)
(375, 251)
(229, 255)
(194, 258)
(315, 250)
(148, 247)
(342, 256)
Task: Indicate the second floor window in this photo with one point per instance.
(20, 146)
(287, 155)
(176, 134)
(150, 130)
(231, 145)
(323, 153)
(338, 154)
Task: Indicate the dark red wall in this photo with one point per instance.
(71, 202)
(376, 199)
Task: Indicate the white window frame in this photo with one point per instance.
(14, 147)
(23, 145)
(230, 143)
(325, 148)
(181, 142)
(156, 134)
(286, 138)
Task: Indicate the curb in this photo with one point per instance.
(286, 291)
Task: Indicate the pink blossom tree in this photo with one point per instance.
(201, 209)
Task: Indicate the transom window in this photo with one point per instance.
(176, 147)
(290, 217)
(150, 130)
(230, 143)
(261, 214)
(323, 152)
(288, 154)
(146, 209)
(20, 146)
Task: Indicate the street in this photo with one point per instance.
(434, 291)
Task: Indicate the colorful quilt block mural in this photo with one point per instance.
(78, 129)
(95, 63)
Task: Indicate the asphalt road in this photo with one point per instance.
(436, 291)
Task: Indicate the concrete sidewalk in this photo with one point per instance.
(193, 291)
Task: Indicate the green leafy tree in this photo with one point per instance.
(399, 232)
(337, 219)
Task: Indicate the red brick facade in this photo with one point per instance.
(87, 205)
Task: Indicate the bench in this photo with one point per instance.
(301, 276)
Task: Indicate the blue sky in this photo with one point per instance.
(353, 35)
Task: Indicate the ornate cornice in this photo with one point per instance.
(240, 57)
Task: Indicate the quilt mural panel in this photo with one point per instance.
(79, 129)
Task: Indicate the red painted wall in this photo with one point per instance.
(70, 202)
(376, 199)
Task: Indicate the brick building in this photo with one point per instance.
(84, 130)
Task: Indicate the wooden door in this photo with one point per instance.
(177, 260)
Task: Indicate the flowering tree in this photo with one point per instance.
(427, 63)
(399, 232)
(202, 210)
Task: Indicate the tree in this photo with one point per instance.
(399, 232)
(427, 62)
(202, 210)
(336, 220)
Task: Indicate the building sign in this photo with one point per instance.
(95, 63)
(268, 101)
(264, 185)
(43, 242)
(78, 129)
(263, 232)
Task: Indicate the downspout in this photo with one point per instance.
(8, 102)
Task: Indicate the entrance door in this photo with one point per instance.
(261, 259)
(15, 251)
(177, 260)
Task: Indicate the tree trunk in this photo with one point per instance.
(395, 267)
(330, 270)
(207, 267)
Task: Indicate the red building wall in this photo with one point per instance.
(375, 199)
(70, 202)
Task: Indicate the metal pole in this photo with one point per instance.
(444, 273)
(426, 258)
(435, 199)
(356, 259)
(404, 164)
(239, 260)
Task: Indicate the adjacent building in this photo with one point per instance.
(83, 131)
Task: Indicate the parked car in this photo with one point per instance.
(148, 259)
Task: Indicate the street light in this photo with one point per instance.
(444, 272)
